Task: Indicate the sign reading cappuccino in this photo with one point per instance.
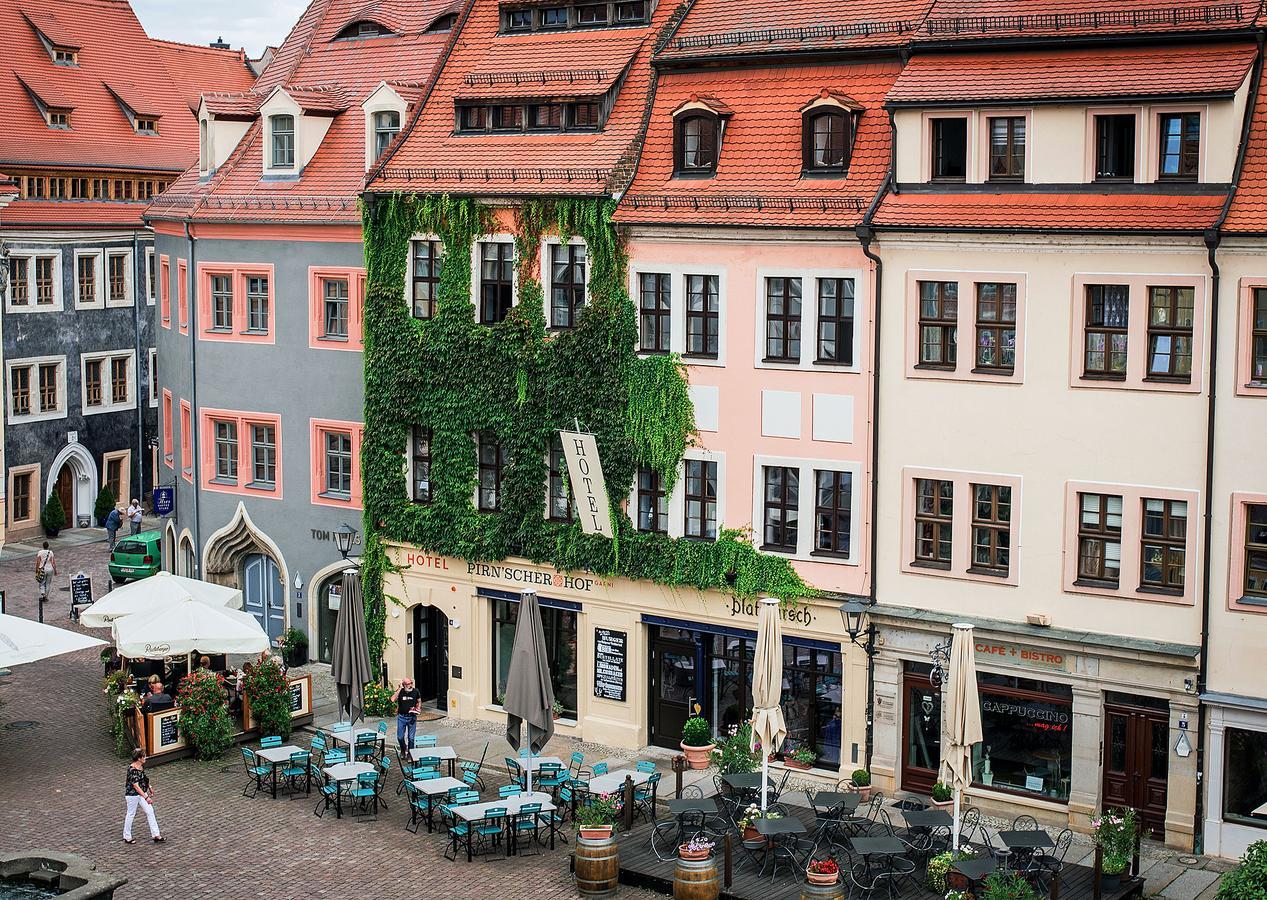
(585, 470)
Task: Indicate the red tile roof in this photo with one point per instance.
(113, 49)
(992, 19)
(197, 70)
(730, 28)
(1082, 212)
(326, 77)
(1071, 74)
(431, 158)
(759, 180)
(42, 18)
(1248, 211)
(133, 98)
(71, 213)
(528, 66)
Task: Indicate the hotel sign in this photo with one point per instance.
(510, 574)
(585, 470)
(1022, 655)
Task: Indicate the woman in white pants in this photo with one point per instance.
(139, 793)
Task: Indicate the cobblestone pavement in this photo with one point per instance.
(61, 788)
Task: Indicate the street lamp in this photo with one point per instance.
(852, 611)
(344, 538)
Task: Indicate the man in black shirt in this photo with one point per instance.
(407, 699)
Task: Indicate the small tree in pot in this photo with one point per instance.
(860, 781)
(53, 517)
(943, 796)
(106, 501)
(697, 742)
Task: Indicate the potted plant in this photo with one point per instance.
(204, 714)
(293, 645)
(938, 869)
(943, 795)
(747, 823)
(697, 848)
(861, 782)
(799, 759)
(556, 710)
(958, 895)
(1249, 878)
(53, 516)
(697, 742)
(734, 754)
(106, 501)
(594, 820)
(268, 696)
(1115, 834)
(822, 871)
(1006, 886)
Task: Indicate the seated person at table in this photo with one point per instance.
(158, 700)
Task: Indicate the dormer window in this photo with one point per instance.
(204, 145)
(444, 23)
(363, 29)
(827, 139)
(64, 56)
(1179, 139)
(282, 141)
(59, 118)
(628, 13)
(554, 17)
(584, 115)
(473, 118)
(1007, 148)
(697, 139)
(386, 127)
(594, 14)
(583, 14)
(519, 20)
(146, 125)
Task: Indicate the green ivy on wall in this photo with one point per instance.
(523, 383)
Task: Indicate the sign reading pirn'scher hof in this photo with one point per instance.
(610, 656)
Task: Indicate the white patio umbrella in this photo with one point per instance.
(186, 625)
(149, 593)
(24, 641)
(964, 719)
(768, 726)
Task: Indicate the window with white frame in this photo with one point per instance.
(806, 319)
(428, 259)
(118, 278)
(681, 309)
(655, 307)
(151, 277)
(282, 141)
(566, 284)
(805, 507)
(108, 381)
(699, 520)
(420, 464)
(37, 388)
(386, 127)
(651, 502)
(496, 280)
(88, 288)
(703, 317)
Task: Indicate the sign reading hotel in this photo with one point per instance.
(588, 487)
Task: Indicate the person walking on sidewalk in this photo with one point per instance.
(407, 699)
(134, 515)
(45, 569)
(113, 521)
(138, 792)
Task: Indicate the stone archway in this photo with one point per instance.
(225, 549)
(76, 472)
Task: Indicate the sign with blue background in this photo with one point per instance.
(164, 501)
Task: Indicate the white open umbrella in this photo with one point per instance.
(24, 641)
(149, 593)
(768, 727)
(186, 625)
(964, 720)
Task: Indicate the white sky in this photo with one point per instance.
(253, 24)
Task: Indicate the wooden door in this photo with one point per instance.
(1137, 762)
(921, 733)
(673, 690)
(66, 493)
(262, 594)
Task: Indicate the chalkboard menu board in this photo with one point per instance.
(169, 731)
(80, 590)
(296, 696)
(610, 657)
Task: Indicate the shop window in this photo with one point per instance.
(559, 501)
(783, 320)
(1170, 311)
(703, 307)
(812, 688)
(653, 504)
(559, 627)
(1104, 338)
(1115, 148)
(949, 149)
(781, 508)
(1163, 545)
(1245, 777)
(991, 529)
(491, 461)
(938, 323)
(1027, 739)
(567, 284)
(996, 327)
(700, 520)
(1099, 538)
(497, 279)
(428, 256)
(654, 312)
(934, 512)
(835, 321)
(421, 457)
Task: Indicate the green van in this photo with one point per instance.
(136, 556)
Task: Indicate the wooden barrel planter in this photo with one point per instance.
(597, 866)
(696, 879)
(823, 891)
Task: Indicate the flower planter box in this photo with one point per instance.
(698, 757)
(796, 764)
(821, 877)
(595, 832)
(694, 855)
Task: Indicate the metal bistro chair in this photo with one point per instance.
(458, 830)
(490, 831)
(271, 742)
(365, 795)
(1047, 863)
(365, 748)
(1024, 823)
(419, 806)
(645, 766)
(328, 789)
(298, 768)
(645, 798)
(553, 820)
(577, 768)
(256, 771)
(425, 740)
(473, 767)
(319, 745)
(509, 790)
(334, 757)
(552, 776)
(514, 771)
(527, 822)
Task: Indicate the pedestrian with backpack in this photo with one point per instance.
(45, 569)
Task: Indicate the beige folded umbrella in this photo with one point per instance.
(768, 727)
(963, 719)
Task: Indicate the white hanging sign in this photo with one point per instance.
(585, 471)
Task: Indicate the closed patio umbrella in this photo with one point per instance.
(529, 693)
(182, 626)
(350, 653)
(964, 719)
(148, 593)
(24, 641)
(768, 727)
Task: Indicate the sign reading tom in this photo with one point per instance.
(609, 664)
(585, 471)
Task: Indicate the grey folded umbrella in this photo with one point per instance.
(529, 695)
(350, 654)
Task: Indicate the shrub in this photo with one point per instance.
(939, 868)
(1248, 881)
(861, 777)
(735, 754)
(603, 809)
(294, 646)
(1115, 833)
(1007, 886)
(265, 687)
(204, 716)
(106, 501)
(378, 701)
(53, 517)
(805, 756)
(942, 792)
(696, 732)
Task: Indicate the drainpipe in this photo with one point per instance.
(192, 242)
(1212, 237)
(141, 402)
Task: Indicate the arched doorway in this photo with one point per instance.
(263, 594)
(188, 565)
(329, 600)
(73, 477)
(169, 549)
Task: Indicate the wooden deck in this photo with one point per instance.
(639, 867)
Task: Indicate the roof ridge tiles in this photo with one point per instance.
(1210, 13)
(569, 75)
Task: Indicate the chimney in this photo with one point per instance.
(219, 44)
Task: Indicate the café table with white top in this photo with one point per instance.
(614, 783)
(350, 736)
(275, 756)
(345, 772)
(472, 813)
(435, 787)
(442, 753)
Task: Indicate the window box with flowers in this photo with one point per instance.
(696, 849)
(595, 819)
(822, 871)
